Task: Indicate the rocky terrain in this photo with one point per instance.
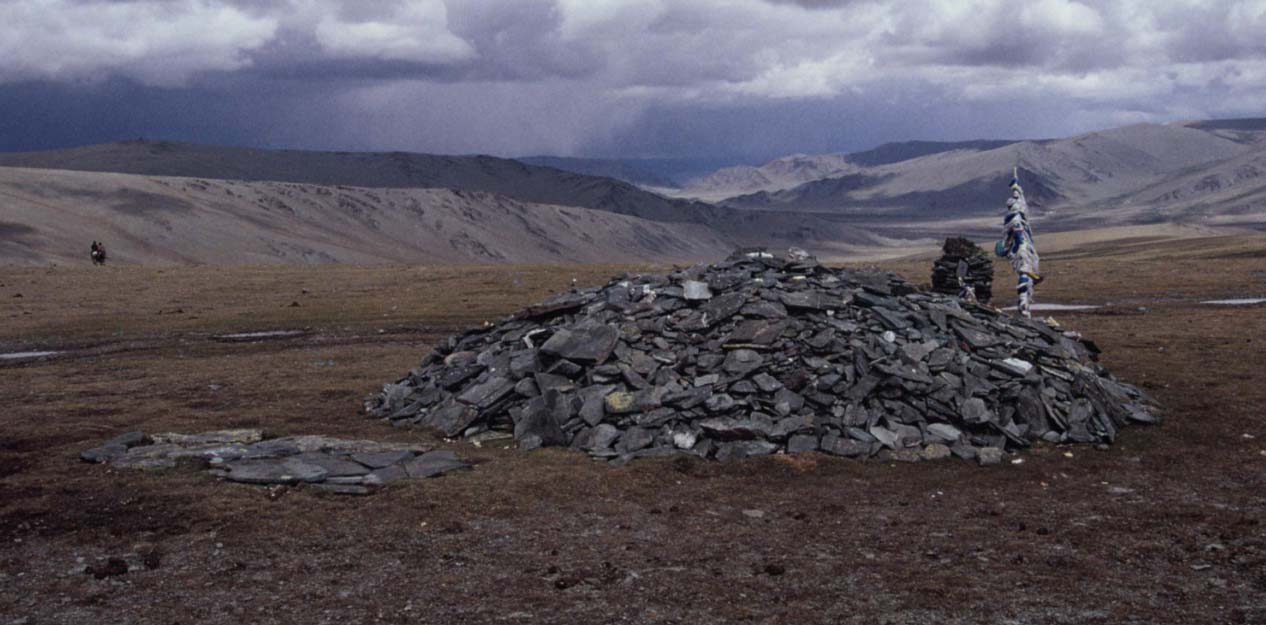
(759, 354)
(1164, 526)
(963, 265)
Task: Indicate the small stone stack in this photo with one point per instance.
(757, 355)
(978, 265)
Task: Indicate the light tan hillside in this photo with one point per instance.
(52, 216)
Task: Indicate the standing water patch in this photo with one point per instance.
(1050, 307)
(1236, 302)
(259, 336)
(25, 355)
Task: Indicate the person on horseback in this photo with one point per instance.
(98, 253)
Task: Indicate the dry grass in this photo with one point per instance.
(554, 537)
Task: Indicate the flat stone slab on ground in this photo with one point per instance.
(345, 489)
(206, 438)
(380, 459)
(339, 466)
(335, 466)
(275, 471)
(434, 463)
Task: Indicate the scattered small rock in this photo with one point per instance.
(151, 557)
(110, 568)
(987, 456)
(935, 451)
(115, 448)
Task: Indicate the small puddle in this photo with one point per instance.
(1236, 302)
(1058, 307)
(266, 334)
(24, 355)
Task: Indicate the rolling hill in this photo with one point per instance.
(789, 171)
(52, 216)
(655, 173)
(398, 170)
(166, 202)
(528, 183)
(1133, 174)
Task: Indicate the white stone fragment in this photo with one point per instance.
(1018, 365)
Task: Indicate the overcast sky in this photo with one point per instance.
(742, 79)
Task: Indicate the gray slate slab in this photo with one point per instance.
(590, 344)
(274, 471)
(434, 464)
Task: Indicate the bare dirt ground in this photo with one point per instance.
(1168, 526)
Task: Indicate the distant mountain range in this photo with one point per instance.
(189, 203)
(402, 170)
(355, 207)
(788, 171)
(1201, 172)
(661, 173)
(51, 215)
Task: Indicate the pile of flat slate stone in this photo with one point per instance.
(963, 255)
(349, 467)
(757, 355)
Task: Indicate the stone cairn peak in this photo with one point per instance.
(963, 257)
(757, 355)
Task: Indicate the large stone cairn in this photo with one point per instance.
(978, 265)
(757, 355)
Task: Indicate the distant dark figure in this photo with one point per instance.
(98, 253)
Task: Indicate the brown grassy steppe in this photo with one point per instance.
(1167, 526)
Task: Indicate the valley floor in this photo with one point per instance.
(1167, 526)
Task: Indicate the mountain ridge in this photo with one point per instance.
(50, 215)
(1088, 173)
(508, 177)
(489, 209)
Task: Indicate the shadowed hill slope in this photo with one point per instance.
(789, 171)
(1117, 174)
(397, 170)
(529, 183)
(507, 179)
(648, 172)
(52, 216)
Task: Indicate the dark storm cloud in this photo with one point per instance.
(747, 78)
(41, 115)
